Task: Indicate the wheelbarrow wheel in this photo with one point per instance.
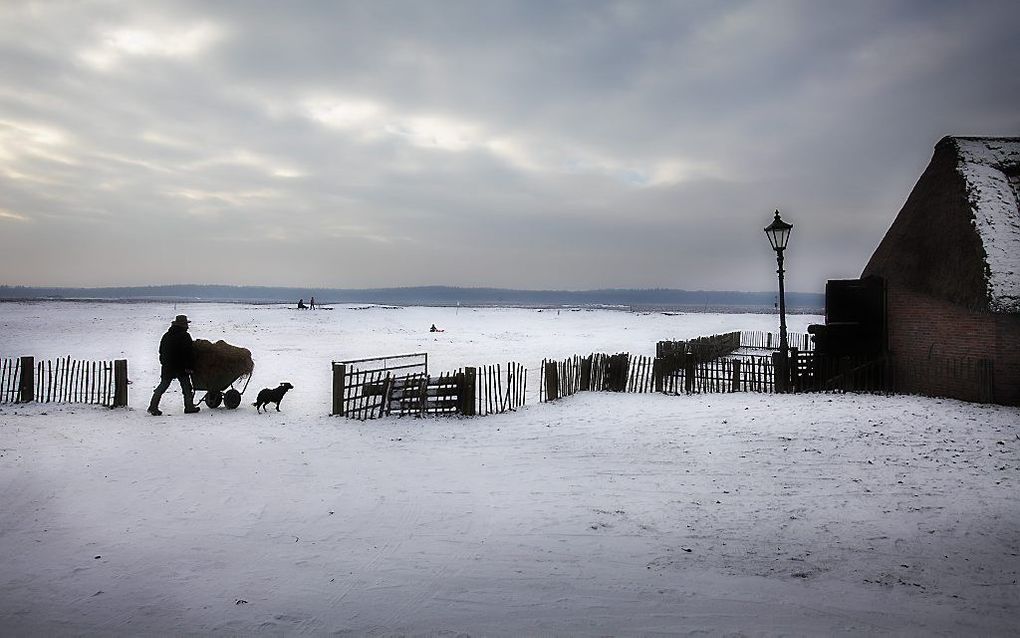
(213, 398)
(231, 398)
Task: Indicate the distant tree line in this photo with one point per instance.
(431, 296)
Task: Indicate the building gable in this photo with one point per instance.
(957, 237)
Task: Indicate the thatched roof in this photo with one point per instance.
(957, 237)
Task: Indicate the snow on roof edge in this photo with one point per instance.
(985, 164)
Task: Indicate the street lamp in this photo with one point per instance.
(778, 233)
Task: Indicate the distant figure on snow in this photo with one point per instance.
(176, 359)
(311, 304)
(301, 304)
(434, 329)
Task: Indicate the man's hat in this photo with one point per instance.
(181, 320)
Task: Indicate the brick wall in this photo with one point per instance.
(938, 347)
(1007, 365)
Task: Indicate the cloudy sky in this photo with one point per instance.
(518, 144)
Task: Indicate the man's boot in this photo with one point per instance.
(191, 409)
(154, 407)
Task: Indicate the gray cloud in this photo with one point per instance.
(525, 144)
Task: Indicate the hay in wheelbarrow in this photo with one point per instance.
(218, 365)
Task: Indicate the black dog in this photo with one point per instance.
(272, 395)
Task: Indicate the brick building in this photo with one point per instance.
(950, 263)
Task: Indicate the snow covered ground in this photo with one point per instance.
(600, 514)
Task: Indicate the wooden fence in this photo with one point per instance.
(814, 372)
(372, 388)
(721, 345)
(727, 363)
(760, 340)
(564, 378)
(362, 387)
(469, 391)
(687, 375)
(65, 380)
(681, 373)
(704, 348)
(596, 372)
(499, 388)
(421, 395)
(681, 369)
(965, 378)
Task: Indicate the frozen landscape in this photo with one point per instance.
(600, 514)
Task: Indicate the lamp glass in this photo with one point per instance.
(778, 233)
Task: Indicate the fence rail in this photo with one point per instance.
(64, 380)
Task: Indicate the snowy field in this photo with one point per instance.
(598, 515)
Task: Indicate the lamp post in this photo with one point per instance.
(778, 233)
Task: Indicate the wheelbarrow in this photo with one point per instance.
(218, 366)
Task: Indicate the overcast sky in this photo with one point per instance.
(478, 143)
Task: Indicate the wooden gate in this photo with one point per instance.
(401, 385)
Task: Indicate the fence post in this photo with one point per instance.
(339, 375)
(552, 381)
(468, 392)
(586, 373)
(735, 379)
(689, 372)
(26, 384)
(844, 374)
(387, 395)
(780, 372)
(657, 365)
(120, 383)
(794, 375)
(986, 379)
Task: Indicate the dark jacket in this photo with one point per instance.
(176, 350)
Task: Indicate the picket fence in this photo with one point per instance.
(64, 380)
(673, 374)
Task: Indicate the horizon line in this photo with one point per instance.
(400, 287)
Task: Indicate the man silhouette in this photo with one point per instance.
(176, 358)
